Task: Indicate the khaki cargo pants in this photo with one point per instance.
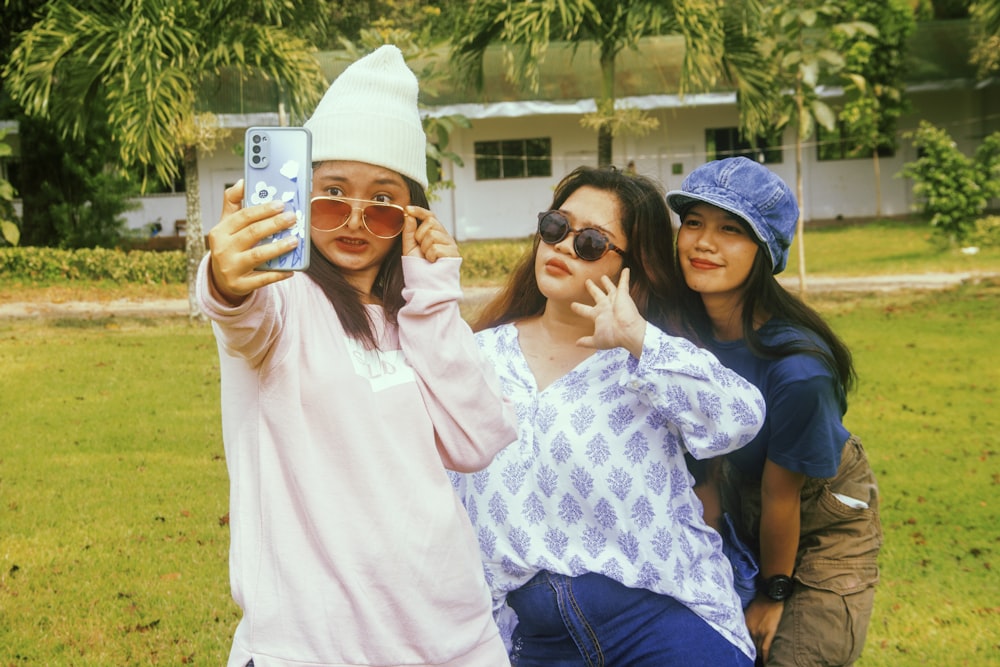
(825, 621)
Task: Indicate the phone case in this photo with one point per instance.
(278, 165)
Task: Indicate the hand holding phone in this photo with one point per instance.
(278, 167)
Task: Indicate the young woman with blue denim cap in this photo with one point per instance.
(803, 493)
(592, 537)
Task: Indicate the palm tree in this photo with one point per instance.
(796, 43)
(139, 64)
(526, 28)
(986, 52)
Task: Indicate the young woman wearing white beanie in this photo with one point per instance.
(334, 380)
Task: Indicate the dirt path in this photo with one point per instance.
(179, 307)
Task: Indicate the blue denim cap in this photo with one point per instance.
(750, 191)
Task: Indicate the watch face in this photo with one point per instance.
(779, 587)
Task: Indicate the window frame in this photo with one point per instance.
(507, 159)
(836, 142)
(760, 151)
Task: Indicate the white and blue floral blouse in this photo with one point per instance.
(597, 481)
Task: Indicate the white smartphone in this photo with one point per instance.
(278, 166)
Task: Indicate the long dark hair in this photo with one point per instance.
(763, 294)
(645, 221)
(388, 286)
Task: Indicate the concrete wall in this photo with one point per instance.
(163, 208)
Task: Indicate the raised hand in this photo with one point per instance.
(425, 236)
(617, 322)
(234, 250)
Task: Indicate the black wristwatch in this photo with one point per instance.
(778, 588)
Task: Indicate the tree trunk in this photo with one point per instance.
(800, 223)
(194, 242)
(878, 183)
(605, 146)
(606, 104)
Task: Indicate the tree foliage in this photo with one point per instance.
(50, 184)
(954, 188)
(66, 186)
(137, 66)
(421, 54)
(9, 231)
(874, 71)
(798, 53)
(139, 63)
(986, 21)
(428, 21)
(525, 29)
(78, 198)
(800, 44)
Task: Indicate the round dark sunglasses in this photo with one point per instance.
(380, 218)
(589, 243)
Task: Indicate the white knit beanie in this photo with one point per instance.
(370, 114)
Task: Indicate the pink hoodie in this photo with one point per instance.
(348, 544)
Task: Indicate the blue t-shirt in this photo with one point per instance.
(803, 430)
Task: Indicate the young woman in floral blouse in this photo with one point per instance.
(592, 537)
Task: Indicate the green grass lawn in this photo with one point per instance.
(113, 493)
(113, 487)
(928, 410)
(885, 247)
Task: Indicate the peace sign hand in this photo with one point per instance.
(617, 322)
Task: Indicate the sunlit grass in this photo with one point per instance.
(113, 495)
(927, 410)
(884, 248)
(113, 487)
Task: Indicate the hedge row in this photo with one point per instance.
(491, 261)
(483, 260)
(53, 264)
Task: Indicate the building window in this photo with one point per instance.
(837, 145)
(513, 158)
(726, 142)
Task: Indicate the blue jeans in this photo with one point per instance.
(593, 621)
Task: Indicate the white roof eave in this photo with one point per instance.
(241, 120)
(527, 108)
(523, 108)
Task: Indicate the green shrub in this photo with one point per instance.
(483, 262)
(985, 233)
(51, 264)
(486, 261)
(954, 188)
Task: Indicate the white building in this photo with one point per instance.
(520, 144)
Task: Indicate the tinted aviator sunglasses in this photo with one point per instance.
(589, 243)
(381, 219)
